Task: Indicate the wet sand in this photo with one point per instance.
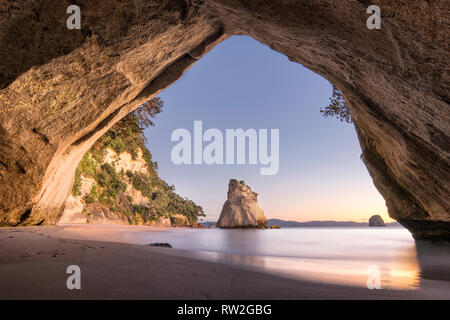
(33, 263)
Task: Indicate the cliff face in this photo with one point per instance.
(116, 182)
(88, 204)
(62, 89)
(241, 210)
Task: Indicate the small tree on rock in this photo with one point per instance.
(337, 108)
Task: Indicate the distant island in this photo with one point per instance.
(376, 221)
(312, 224)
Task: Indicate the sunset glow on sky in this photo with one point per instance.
(244, 84)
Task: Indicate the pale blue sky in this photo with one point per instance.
(244, 84)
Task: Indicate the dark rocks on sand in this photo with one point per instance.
(160, 244)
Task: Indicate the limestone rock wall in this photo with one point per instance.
(77, 210)
(62, 89)
(241, 209)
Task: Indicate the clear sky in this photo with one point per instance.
(244, 84)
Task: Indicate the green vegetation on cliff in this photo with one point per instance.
(110, 188)
(337, 107)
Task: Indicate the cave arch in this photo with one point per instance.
(394, 79)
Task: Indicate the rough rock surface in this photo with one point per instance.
(61, 89)
(241, 209)
(77, 211)
(376, 221)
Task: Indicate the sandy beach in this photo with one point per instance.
(33, 263)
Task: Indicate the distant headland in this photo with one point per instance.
(310, 224)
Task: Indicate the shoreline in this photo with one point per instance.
(33, 263)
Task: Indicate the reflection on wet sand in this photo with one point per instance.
(330, 255)
(400, 273)
(398, 265)
(237, 259)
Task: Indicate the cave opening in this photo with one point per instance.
(243, 84)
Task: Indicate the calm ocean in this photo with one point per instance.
(332, 255)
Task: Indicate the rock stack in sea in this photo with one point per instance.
(376, 221)
(241, 210)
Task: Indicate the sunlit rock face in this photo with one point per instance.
(61, 89)
(241, 209)
(76, 210)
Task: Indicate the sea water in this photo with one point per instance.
(348, 256)
(355, 256)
